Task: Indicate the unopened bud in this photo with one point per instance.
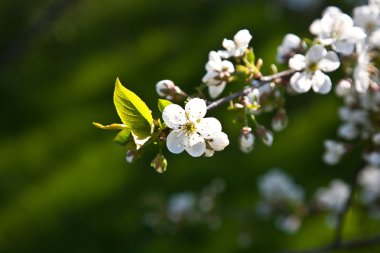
(165, 87)
(159, 163)
(246, 140)
(130, 157)
(343, 88)
(280, 120)
(265, 135)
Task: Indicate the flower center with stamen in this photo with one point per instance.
(313, 67)
(190, 127)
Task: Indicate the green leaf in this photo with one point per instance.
(162, 103)
(113, 126)
(123, 137)
(132, 111)
(251, 56)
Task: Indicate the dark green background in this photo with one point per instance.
(65, 186)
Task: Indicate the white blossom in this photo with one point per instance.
(367, 17)
(337, 29)
(374, 40)
(289, 45)
(191, 131)
(334, 152)
(236, 47)
(335, 196)
(316, 60)
(218, 73)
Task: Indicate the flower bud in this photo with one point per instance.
(343, 88)
(168, 90)
(280, 120)
(159, 163)
(131, 155)
(246, 140)
(265, 135)
(165, 87)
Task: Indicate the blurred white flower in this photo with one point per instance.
(334, 152)
(289, 224)
(361, 74)
(337, 29)
(374, 40)
(236, 47)
(369, 179)
(373, 158)
(376, 138)
(191, 130)
(218, 73)
(180, 206)
(316, 60)
(348, 131)
(335, 196)
(367, 17)
(287, 49)
(275, 186)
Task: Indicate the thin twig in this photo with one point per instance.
(255, 84)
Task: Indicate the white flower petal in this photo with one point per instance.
(301, 82)
(315, 53)
(228, 66)
(174, 116)
(219, 141)
(196, 109)
(175, 141)
(315, 27)
(330, 62)
(209, 77)
(344, 47)
(297, 62)
(195, 145)
(209, 152)
(321, 82)
(207, 126)
(242, 38)
(216, 90)
(228, 44)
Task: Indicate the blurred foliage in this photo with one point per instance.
(65, 186)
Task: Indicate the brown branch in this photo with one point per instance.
(348, 245)
(255, 84)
